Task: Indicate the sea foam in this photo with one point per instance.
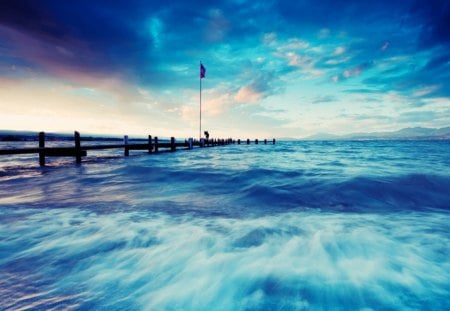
(299, 225)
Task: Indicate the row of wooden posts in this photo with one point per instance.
(152, 146)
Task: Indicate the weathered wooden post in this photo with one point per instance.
(265, 141)
(274, 141)
(172, 144)
(256, 141)
(156, 143)
(42, 145)
(239, 141)
(77, 147)
(248, 141)
(150, 147)
(125, 142)
(190, 143)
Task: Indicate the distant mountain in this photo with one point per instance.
(324, 136)
(410, 133)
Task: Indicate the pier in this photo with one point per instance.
(152, 146)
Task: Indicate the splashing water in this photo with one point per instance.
(298, 225)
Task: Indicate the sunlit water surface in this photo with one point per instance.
(291, 226)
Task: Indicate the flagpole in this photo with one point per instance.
(200, 133)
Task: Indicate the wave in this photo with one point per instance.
(296, 226)
(141, 260)
(219, 190)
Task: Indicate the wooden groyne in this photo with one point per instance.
(153, 145)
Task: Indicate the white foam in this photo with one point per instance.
(295, 260)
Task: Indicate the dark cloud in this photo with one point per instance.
(434, 16)
(106, 35)
(145, 40)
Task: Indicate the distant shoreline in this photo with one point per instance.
(65, 137)
(407, 134)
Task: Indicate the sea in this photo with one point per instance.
(299, 225)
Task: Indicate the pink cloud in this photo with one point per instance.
(247, 94)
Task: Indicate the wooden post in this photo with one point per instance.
(274, 141)
(172, 144)
(156, 143)
(125, 142)
(190, 142)
(150, 147)
(77, 147)
(239, 141)
(41, 145)
(265, 141)
(248, 141)
(256, 141)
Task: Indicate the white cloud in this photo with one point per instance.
(426, 90)
(337, 61)
(339, 50)
(305, 63)
(295, 44)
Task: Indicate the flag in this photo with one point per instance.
(202, 71)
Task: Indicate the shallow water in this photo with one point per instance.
(291, 226)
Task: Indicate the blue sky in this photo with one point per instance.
(274, 68)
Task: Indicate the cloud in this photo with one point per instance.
(385, 46)
(361, 91)
(270, 38)
(426, 90)
(416, 116)
(337, 61)
(435, 17)
(253, 53)
(339, 50)
(321, 99)
(218, 26)
(324, 33)
(262, 85)
(354, 72)
(305, 63)
(247, 94)
(293, 44)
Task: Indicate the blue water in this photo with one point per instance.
(291, 226)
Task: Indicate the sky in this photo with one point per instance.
(273, 68)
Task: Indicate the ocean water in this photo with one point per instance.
(292, 226)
